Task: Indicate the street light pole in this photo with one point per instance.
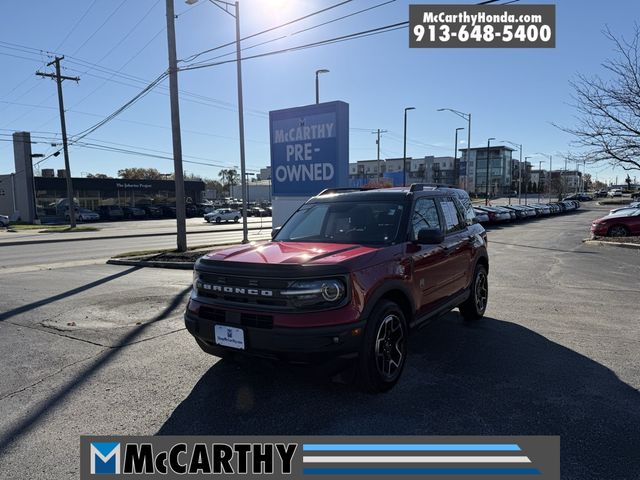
(539, 178)
(519, 145)
(318, 72)
(236, 5)
(525, 185)
(455, 154)
(404, 151)
(467, 117)
(486, 200)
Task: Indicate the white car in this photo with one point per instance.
(4, 221)
(616, 192)
(222, 214)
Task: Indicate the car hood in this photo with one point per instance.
(291, 253)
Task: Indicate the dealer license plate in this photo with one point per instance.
(229, 336)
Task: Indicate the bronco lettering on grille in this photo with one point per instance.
(238, 290)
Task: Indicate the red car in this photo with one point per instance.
(345, 279)
(620, 224)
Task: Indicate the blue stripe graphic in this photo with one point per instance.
(411, 447)
(421, 471)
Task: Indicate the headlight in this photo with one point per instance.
(308, 293)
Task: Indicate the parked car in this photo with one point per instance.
(481, 216)
(631, 206)
(495, 215)
(581, 197)
(616, 192)
(311, 296)
(168, 211)
(223, 215)
(151, 211)
(133, 212)
(519, 211)
(110, 212)
(83, 215)
(621, 224)
(601, 193)
(4, 221)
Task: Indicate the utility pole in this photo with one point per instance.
(59, 79)
(175, 130)
(378, 145)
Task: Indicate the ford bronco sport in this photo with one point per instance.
(346, 278)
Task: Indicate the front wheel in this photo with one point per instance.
(474, 307)
(384, 349)
(236, 219)
(618, 231)
(218, 220)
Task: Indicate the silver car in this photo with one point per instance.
(222, 214)
(4, 221)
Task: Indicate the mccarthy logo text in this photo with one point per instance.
(215, 459)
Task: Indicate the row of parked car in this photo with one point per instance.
(139, 212)
(509, 213)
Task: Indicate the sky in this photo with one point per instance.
(117, 47)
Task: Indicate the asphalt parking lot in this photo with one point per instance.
(101, 349)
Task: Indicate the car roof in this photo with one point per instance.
(384, 194)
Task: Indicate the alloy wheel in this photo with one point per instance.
(389, 347)
(481, 291)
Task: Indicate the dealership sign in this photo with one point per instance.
(309, 148)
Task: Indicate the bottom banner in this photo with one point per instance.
(320, 458)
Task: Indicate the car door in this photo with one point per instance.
(458, 245)
(429, 280)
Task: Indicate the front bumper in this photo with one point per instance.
(312, 345)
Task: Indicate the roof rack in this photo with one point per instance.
(330, 191)
(418, 187)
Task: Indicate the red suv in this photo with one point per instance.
(346, 278)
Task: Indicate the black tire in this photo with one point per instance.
(618, 231)
(384, 348)
(474, 307)
(218, 219)
(236, 219)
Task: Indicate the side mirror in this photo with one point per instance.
(274, 232)
(430, 236)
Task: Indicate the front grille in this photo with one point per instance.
(243, 291)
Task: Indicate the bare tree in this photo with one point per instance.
(608, 127)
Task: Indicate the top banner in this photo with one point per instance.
(482, 26)
(309, 148)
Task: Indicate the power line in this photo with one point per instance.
(352, 36)
(100, 27)
(299, 31)
(196, 55)
(78, 22)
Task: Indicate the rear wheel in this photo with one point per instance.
(474, 307)
(618, 231)
(384, 349)
(218, 219)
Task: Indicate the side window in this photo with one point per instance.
(425, 215)
(453, 219)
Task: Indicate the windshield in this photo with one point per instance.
(344, 222)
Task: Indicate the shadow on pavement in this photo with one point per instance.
(63, 295)
(100, 361)
(490, 378)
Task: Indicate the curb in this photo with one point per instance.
(632, 246)
(152, 264)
